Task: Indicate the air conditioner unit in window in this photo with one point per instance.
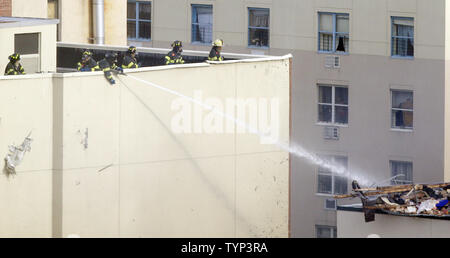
(331, 133)
(333, 62)
(330, 204)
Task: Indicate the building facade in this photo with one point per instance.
(369, 79)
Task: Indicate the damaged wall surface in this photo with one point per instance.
(106, 164)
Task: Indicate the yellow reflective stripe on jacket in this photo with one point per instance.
(215, 58)
(130, 65)
(11, 72)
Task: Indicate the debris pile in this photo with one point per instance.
(406, 200)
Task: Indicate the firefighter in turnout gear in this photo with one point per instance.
(14, 67)
(129, 60)
(174, 56)
(215, 55)
(108, 65)
(87, 64)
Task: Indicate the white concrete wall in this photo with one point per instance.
(352, 225)
(26, 199)
(160, 184)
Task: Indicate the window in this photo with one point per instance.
(334, 32)
(402, 109)
(26, 44)
(202, 23)
(402, 171)
(53, 13)
(331, 183)
(326, 231)
(258, 27)
(330, 204)
(402, 37)
(333, 104)
(139, 20)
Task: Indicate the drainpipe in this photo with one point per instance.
(98, 15)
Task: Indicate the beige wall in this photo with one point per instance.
(293, 24)
(27, 8)
(26, 199)
(76, 21)
(47, 46)
(352, 225)
(447, 96)
(368, 71)
(160, 184)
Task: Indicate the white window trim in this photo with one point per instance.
(398, 129)
(332, 228)
(401, 161)
(333, 33)
(325, 204)
(333, 106)
(333, 175)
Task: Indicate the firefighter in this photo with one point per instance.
(108, 65)
(14, 67)
(174, 56)
(129, 60)
(215, 55)
(87, 64)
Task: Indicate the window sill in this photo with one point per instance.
(402, 130)
(334, 53)
(325, 195)
(402, 57)
(332, 125)
(140, 40)
(256, 47)
(197, 43)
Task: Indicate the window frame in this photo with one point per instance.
(253, 27)
(334, 33)
(192, 24)
(137, 20)
(403, 181)
(402, 37)
(333, 175)
(393, 127)
(333, 105)
(58, 17)
(333, 230)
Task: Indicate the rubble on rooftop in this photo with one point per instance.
(419, 200)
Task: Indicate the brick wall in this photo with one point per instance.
(5, 7)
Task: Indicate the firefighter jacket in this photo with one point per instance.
(129, 62)
(89, 66)
(11, 69)
(215, 55)
(174, 58)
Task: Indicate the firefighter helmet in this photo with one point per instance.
(218, 43)
(111, 57)
(132, 50)
(14, 57)
(87, 53)
(177, 43)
